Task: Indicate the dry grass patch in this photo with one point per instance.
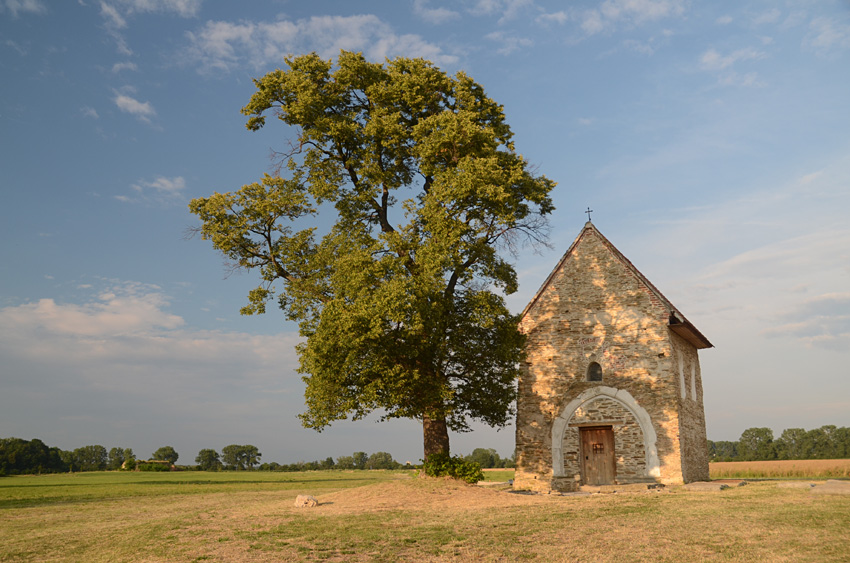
(398, 518)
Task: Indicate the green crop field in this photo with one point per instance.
(394, 516)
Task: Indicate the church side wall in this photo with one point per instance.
(694, 447)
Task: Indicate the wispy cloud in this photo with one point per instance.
(770, 16)
(508, 43)
(123, 340)
(118, 67)
(16, 46)
(18, 7)
(560, 17)
(433, 15)
(115, 14)
(143, 111)
(827, 34)
(88, 111)
(822, 322)
(161, 190)
(612, 13)
(222, 46)
(713, 60)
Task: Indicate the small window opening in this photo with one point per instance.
(594, 372)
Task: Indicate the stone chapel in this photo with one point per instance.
(610, 391)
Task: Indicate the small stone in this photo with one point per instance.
(302, 501)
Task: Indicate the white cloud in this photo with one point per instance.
(433, 15)
(144, 111)
(222, 46)
(506, 9)
(118, 67)
(821, 322)
(771, 16)
(17, 7)
(115, 14)
(89, 112)
(128, 309)
(724, 20)
(713, 60)
(642, 47)
(748, 80)
(17, 47)
(124, 342)
(827, 34)
(508, 43)
(628, 12)
(114, 20)
(183, 8)
(161, 190)
(554, 17)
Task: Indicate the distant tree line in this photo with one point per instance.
(826, 442)
(28, 457)
(19, 457)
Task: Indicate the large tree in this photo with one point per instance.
(166, 453)
(400, 297)
(240, 457)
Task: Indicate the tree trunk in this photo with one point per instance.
(436, 435)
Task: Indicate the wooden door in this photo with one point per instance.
(597, 452)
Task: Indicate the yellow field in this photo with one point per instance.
(781, 469)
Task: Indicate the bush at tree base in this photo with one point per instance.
(443, 464)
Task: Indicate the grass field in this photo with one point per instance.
(393, 516)
(781, 469)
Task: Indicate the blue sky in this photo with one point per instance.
(711, 139)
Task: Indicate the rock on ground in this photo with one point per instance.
(302, 501)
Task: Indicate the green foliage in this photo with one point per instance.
(400, 302)
(757, 444)
(89, 458)
(208, 460)
(445, 465)
(240, 457)
(19, 456)
(166, 453)
(381, 460)
(154, 465)
(360, 459)
(345, 462)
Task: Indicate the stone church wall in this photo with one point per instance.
(694, 452)
(595, 309)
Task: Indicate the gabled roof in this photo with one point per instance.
(676, 322)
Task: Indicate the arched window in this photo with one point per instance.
(594, 372)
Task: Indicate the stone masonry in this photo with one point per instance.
(606, 349)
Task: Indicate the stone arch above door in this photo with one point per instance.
(628, 402)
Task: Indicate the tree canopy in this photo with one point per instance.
(240, 457)
(166, 453)
(400, 298)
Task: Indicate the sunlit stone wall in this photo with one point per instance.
(595, 308)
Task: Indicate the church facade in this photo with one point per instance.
(610, 390)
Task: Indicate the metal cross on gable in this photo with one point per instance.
(589, 211)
